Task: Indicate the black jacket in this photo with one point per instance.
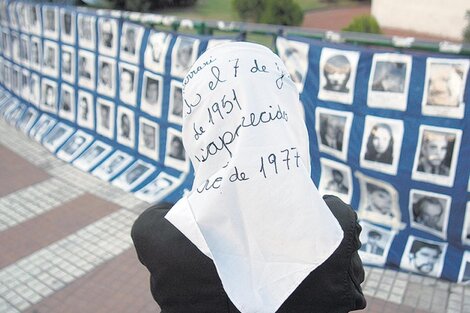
(184, 280)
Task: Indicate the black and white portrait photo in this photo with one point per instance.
(67, 26)
(50, 64)
(148, 138)
(15, 47)
(444, 87)
(152, 94)
(34, 87)
(43, 125)
(15, 79)
(68, 64)
(466, 226)
(27, 120)
(113, 165)
(464, 273)
(131, 41)
(429, 211)
(105, 117)
(337, 75)
(107, 36)
(376, 242)
(389, 81)
(49, 95)
(35, 53)
(381, 144)
(86, 69)
(86, 31)
(158, 188)
(128, 78)
(336, 179)
(57, 136)
(6, 44)
(436, 155)
(96, 153)
(333, 129)
(106, 76)
(34, 18)
(21, 9)
(125, 126)
(67, 102)
(74, 146)
(134, 175)
(175, 155)
(183, 55)
(24, 50)
(424, 256)
(50, 22)
(156, 51)
(12, 15)
(378, 202)
(85, 110)
(25, 86)
(175, 114)
(294, 54)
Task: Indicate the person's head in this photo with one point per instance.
(50, 97)
(151, 92)
(130, 36)
(125, 125)
(184, 53)
(127, 81)
(379, 198)
(66, 62)
(331, 126)
(84, 109)
(106, 33)
(104, 112)
(105, 73)
(114, 163)
(445, 85)
(373, 237)
(337, 71)
(148, 134)
(135, 173)
(67, 22)
(337, 176)
(156, 43)
(82, 63)
(291, 60)
(176, 147)
(428, 211)
(434, 148)
(76, 142)
(424, 256)
(380, 139)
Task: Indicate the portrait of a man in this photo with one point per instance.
(424, 257)
(429, 212)
(337, 71)
(373, 244)
(436, 153)
(445, 84)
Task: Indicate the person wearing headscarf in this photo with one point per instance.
(253, 234)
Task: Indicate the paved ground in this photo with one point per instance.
(65, 245)
(336, 19)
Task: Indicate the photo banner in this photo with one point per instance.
(388, 130)
(389, 134)
(100, 92)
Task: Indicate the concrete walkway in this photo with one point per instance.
(66, 248)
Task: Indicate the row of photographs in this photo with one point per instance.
(420, 255)
(101, 159)
(379, 201)
(130, 132)
(436, 154)
(435, 161)
(45, 93)
(28, 50)
(389, 81)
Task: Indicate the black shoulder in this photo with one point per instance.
(343, 212)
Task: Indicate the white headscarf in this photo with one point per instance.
(253, 207)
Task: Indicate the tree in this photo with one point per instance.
(364, 24)
(283, 12)
(249, 9)
(466, 30)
